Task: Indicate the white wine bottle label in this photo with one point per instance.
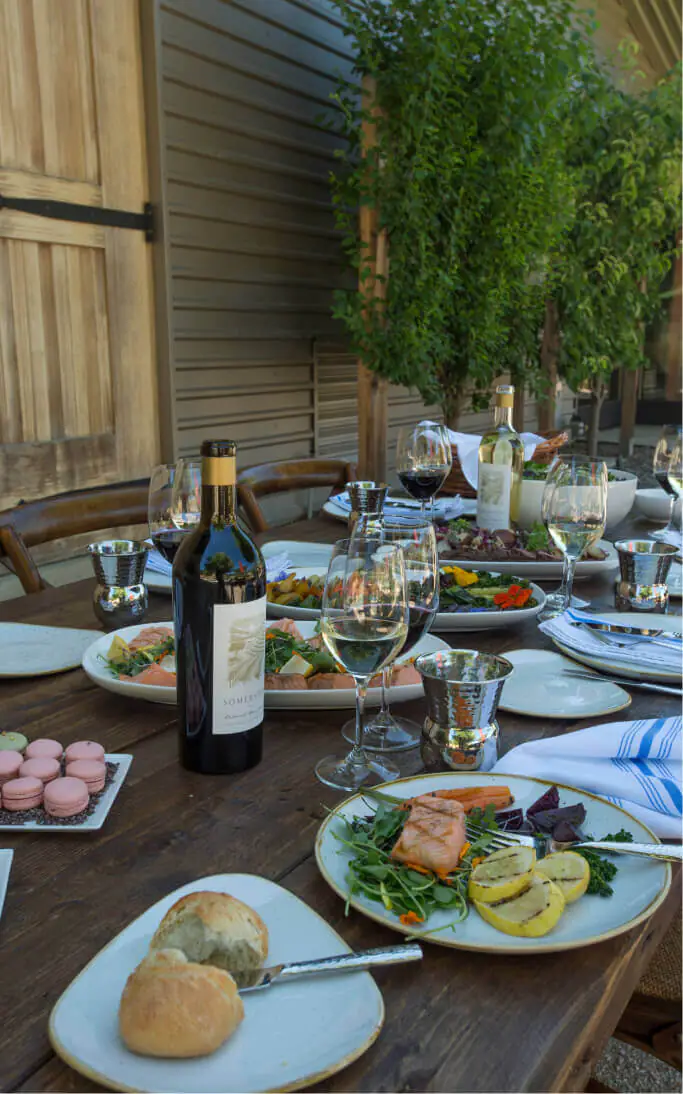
(493, 496)
(239, 644)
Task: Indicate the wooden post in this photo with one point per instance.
(518, 408)
(549, 346)
(629, 404)
(674, 335)
(372, 389)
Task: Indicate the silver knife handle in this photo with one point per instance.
(665, 852)
(345, 962)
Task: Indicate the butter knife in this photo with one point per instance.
(343, 962)
(617, 628)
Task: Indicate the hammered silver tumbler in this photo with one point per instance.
(120, 596)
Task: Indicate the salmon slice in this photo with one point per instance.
(433, 836)
(324, 681)
(291, 681)
(154, 674)
(287, 626)
(150, 636)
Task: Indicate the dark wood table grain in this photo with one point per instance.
(459, 1022)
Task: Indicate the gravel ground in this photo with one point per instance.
(631, 1071)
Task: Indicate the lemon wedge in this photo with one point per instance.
(297, 665)
(502, 874)
(529, 914)
(118, 649)
(569, 871)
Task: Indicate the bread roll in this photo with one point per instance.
(172, 1007)
(215, 929)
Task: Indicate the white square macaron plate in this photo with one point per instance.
(5, 864)
(293, 1035)
(97, 818)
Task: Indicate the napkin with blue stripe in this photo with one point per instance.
(444, 508)
(635, 765)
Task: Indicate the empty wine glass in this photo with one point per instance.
(423, 460)
(661, 461)
(187, 495)
(363, 622)
(416, 537)
(574, 509)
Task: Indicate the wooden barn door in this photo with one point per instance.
(78, 386)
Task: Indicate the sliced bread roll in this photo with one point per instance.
(172, 1007)
(215, 929)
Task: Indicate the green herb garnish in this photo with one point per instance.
(602, 869)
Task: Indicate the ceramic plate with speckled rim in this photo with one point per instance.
(293, 1035)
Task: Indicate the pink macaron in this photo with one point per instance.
(44, 749)
(24, 793)
(91, 772)
(10, 762)
(65, 797)
(84, 750)
(41, 767)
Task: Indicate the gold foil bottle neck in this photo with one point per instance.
(219, 470)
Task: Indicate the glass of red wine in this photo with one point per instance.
(661, 464)
(416, 537)
(174, 504)
(423, 460)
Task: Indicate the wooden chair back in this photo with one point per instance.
(32, 523)
(280, 478)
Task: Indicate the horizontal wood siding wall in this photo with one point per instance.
(253, 251)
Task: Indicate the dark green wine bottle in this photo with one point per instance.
(219, 604)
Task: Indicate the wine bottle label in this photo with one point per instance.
(239, 643)
(219, 470)
(493, 496)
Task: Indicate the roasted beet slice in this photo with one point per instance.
(511, 820)
(548, 819)
(549, 800)
(566, 833)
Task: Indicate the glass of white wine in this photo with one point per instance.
(574, 509)
(662, 462)
(675, 471)
(364, 623)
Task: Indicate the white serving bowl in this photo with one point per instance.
(653, 504)
(620, 498)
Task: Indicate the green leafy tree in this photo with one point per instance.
(624, 154)
(469, 180)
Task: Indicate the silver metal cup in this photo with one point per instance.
(367, 503)
(462, 687)
(644, 566)
(120, 597)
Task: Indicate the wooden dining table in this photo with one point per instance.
(458, 1021)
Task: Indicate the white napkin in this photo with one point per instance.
(277, 567)
(641, 652)
(444, 508)
(674, 538)
(636, 765)
(592, 617)
(467, 445)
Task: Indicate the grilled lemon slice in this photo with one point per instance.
(298, 666)
(502, 874)
(529, 914)
(569, 871)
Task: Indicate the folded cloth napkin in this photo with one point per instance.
(592, 617)
(277, 567)
(444, 508)
(467, 445)
(640, 653)
(635, 765)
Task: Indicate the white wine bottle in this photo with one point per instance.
(501, 464)
(219, 605)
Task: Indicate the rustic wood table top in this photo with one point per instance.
(460, 1022)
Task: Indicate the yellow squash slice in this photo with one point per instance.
(569, 871)
(502, 874)
(529, 914)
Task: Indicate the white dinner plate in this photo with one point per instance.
(542, 570)
(30, 650)
(539, 688)
(330, 699)
(640, 886)
(445, 622)
(99, 815)
(5, 866)
(632, 669)
(293, 1035)
(339, 512)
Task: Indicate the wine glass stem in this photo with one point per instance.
(671, 527)
(357, 755)
(384, 703)
(568, 568)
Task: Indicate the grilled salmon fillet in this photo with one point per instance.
(434, 834)
(150, 636)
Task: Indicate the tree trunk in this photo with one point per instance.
(452, 408)
(597, 399)
(549, 353)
